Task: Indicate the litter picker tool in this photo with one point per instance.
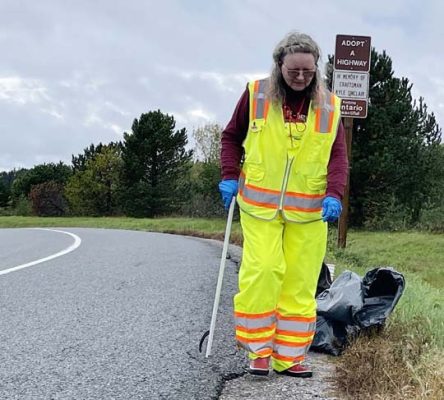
(223, 260)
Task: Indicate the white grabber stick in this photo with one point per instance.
(221, 275)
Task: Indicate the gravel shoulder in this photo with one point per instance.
(276, 386)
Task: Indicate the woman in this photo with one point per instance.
(287, 129)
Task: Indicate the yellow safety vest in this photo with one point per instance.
(285, 164)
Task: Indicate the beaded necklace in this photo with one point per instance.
(297, 118)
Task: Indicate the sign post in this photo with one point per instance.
(351, 80)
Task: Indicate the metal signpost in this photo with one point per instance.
(351, 78)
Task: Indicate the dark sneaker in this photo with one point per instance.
(298, 370)
(260, 366)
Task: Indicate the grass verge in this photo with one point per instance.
(405, 360)
(200, 227)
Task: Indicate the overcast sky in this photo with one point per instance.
(76, 72)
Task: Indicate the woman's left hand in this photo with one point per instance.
(331, 209)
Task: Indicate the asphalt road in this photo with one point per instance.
(118, 317)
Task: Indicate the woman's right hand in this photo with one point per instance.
(228, 189)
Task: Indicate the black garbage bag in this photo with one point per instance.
(352, 305)
(383, 288)
(324, 280)
(343, 299)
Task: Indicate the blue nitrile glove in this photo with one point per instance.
(331, 209)
(228, 189)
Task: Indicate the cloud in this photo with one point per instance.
(76, 73)
(22, 91)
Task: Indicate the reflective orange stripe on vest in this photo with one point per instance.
(271, 198)
(260, 103)
(324, 116)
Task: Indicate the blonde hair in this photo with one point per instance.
(295, 42)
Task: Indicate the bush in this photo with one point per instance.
(23, 207)
(396, 218)
(6, 211)
(203, 206)
(432, 219)
(47, 199)
(390, 216)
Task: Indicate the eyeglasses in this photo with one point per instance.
(294, 73)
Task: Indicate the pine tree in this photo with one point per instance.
(393, 150)
(4, 194)
(154, 159)
(79, 162)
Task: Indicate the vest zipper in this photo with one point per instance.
(285, 182)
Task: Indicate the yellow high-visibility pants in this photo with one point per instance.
(275, 309)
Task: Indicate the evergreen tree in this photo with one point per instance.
(4, 194)
(79, 162)
(393, 150)
(7, 177)
(154, 159)
(6, 180)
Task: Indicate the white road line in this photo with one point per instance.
(74, 246)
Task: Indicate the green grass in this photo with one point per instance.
(408, 252)
(418, 256)
(405, 361)
(210, 226)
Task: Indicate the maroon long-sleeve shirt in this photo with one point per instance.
(236, 131)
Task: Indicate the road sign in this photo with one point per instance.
(354, 108)
(351, 74)
(352, 53)
(351, 85)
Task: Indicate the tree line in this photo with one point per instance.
(396, 176)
